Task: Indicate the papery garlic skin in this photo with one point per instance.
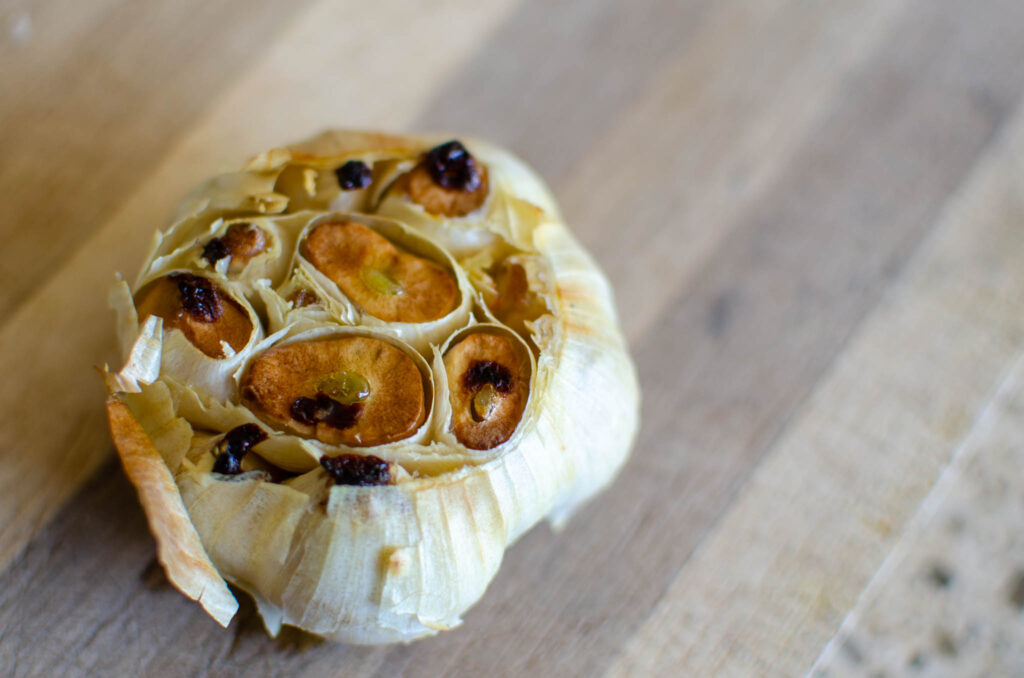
(395, 562)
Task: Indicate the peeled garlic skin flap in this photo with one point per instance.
(404, 556)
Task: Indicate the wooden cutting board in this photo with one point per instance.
(811, 213)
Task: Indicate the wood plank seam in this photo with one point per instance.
(951, 220)
(962, 456)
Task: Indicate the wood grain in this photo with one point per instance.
(93, 103)
(863, 451)
(755, 176)
(947, 598)
(691, 156)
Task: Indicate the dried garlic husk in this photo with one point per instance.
(434, 365)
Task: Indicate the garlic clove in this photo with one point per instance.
(199, 309)
(448, 181)
(241, 242)
(383, 279)
(489, 384)
(356, 390)
(403, 275)
(515, 299)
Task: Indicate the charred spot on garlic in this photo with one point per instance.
(227, 465)
(486, 380)
(235, 445)
(215, 250)
(199, 297)
(353, 175)
(451, 166)
(199, 309)
(383, 279)
(487, 372)
(324, 409)
(241, 241)
(448, 181)
(489, 386)
(356, 469)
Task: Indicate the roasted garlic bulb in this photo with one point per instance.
(355, 372)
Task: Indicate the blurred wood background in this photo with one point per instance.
(811, 212)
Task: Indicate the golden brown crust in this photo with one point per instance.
(394, 408)
(489, 383)
(163, 298)
(179, 549)
(380, 277)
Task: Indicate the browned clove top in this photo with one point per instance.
(241, 241)
(448, 181)
(197, 307)
(383, 279)
(489, 383)
(356, 391)
(513, 302)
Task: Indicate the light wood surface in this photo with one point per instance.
(808, 211)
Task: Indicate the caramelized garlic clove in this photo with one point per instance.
(449, 195)
(197, 307)
(448, 181)
(357, 391)
(488, 384)
(242, 241)
(383, 279)
(512, 301)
